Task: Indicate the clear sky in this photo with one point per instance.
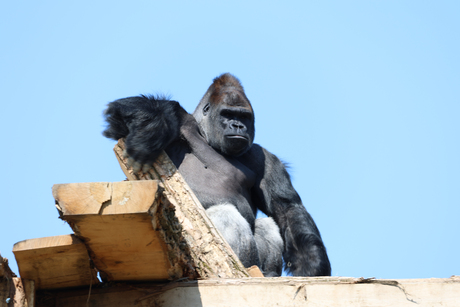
(361, 98)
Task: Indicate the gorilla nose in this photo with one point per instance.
(237, 126)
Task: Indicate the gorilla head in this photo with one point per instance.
(226, 117)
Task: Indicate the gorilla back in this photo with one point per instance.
(231, 176)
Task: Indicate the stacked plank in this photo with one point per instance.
(139, 230)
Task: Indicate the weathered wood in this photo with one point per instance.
(55, 262)
(6, 282)
(104, 198)
(267, 292)
(192, 239)
(5, 270)
(118, 230)
(24, 293)
(15, 291)
(30, 291)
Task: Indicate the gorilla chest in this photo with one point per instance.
(224, 181)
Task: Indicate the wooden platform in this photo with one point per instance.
(263, 292)
(149, 242)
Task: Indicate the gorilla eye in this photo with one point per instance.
(226, 113)
(206, 109)
(246, 115)
(236, 114)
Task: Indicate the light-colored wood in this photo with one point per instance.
(30, 291)
(197, 249)
(55, 262)
(254, 271)
(24, 295)
(80, 198)
(16, 292)
(104, 198)
(123, 247)
(268, 292)
(118, 231)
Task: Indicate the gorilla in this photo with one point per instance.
(232, 177)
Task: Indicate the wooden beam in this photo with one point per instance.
(24, 295)
(267, 292)
(115, 222)
(15, 291)
(55, 262)
(197, 249)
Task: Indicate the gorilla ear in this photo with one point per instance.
(206, 109)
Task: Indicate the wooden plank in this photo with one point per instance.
(105, 198)
(24, 295)
(6, 282)
(55, 262)
(197, 249)
(81, 198)
(118, 230)
(16, 292)
(30, 291)
(267, 292)
(254, 271)
(123, 247)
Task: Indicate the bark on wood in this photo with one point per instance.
(196, 248)
(5, 270)
(24, 293)
(14, 291)
(7, 288)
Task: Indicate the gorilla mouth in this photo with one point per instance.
(236, 136)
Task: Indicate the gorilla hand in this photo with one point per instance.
(148, 124)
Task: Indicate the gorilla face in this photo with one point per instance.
(229, 124)
(225, 116)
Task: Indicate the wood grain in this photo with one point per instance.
(55, 262)
(118, 230)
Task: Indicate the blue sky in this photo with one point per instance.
(361, 98)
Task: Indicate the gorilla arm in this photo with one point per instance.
(304, 252)
(148, 123)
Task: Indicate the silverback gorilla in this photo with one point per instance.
(231, 176)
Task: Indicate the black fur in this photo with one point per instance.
(215, 154)
(148, 123)
(304, 252)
